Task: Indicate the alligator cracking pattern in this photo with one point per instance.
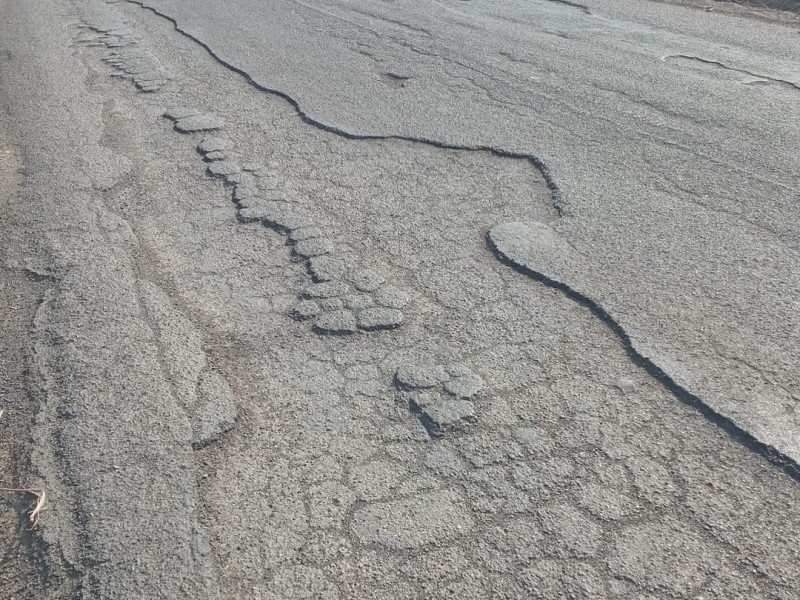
(559, 494)
(341, 298)
(584, 478)
(558, 201)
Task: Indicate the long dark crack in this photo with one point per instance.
(743, 437)
(583, 8)
(557, 195)
(720, 65)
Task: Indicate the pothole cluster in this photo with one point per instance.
(443, 396)
(342, 298)
(347, 305)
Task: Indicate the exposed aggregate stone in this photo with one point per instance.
(195, 123)
(211, 144)
(216, 155)
(139, 67)
(391, 297)
(223, 168)
(336, 322)
(419, 377)
(358, 301)
(366, 280)
(376, 318)
(312, 247)
(326, 268)
(242, 193)
(465, 386)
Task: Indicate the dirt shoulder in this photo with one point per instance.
(19, 294)
(761, 11)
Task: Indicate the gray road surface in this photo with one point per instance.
(453, 299)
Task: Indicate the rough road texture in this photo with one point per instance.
(203, 433)
(666, 132)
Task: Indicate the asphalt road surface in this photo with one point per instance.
(398, 300)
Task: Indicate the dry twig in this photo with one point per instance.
(35, 512)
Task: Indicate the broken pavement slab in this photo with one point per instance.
(537, 250)
(188, 120)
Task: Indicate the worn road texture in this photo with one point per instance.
(398, 300)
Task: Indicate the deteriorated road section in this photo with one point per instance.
(274, 355)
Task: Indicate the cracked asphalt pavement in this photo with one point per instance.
(398, 300)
